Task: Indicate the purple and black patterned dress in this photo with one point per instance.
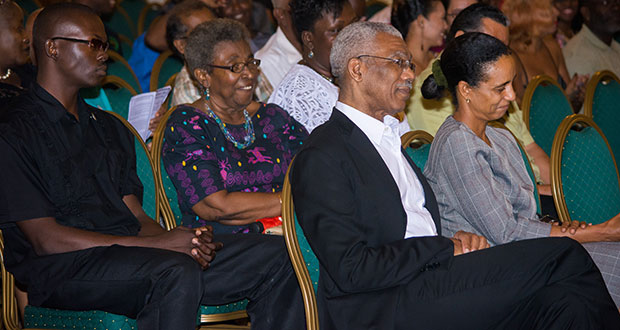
(200, 160)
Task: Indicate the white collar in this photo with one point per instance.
(372, 127)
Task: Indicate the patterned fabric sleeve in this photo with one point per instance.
(189, 158)
(479, 198)
(306, 96)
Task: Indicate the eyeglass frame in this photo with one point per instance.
(232, 67)
(90, 43)
(396, 61)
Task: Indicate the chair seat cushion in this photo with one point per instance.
(48, 318)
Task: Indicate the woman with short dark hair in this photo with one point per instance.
(15, 74)
(477, 172)
(308, 92)
(226, 154)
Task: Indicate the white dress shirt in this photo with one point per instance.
(385, 138)
(277, 57)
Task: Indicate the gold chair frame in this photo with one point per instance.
(411, 136)
(556, 160)
(142, 17)
(297, 259)
(159, 62)
(118, 81)
(603, 77)
(168, 215)
(529, 93)
(116, 57)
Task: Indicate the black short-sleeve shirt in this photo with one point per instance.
(53, 165)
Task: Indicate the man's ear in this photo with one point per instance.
(179, 44)
(51, 50)
(203, 77)
(355, 69)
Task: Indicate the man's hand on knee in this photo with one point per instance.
(465, 242)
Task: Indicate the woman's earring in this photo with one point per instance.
(467, 100)
(311, 54)
(206, 94)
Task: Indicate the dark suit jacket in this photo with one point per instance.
(349, 207)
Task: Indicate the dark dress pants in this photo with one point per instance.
(163, 289)
(549, 283)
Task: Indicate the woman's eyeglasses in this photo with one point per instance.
(94, 43)
(402, 64)
(252, 64)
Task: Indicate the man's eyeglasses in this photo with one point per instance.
(94, 43)
(402, 64)
(252, 64)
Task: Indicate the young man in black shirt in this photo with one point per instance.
(76, 235)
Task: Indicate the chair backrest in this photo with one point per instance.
(417, 145)
(122, 24)
(119, 93)
(118, 66)
(584, 175)
(10, 314)
(133, 8)
(147, 15)
(29, 5)
(526, 161)
(304, 261)
(168, 194)
(164, 68)
(602, 104)
(544, 107)
(146, 173)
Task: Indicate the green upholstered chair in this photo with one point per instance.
(118, 66)
(304, 261)
(118, 93)
(544, 106)
(602, 104)
(526, 161)
(29, 5)
(584, 175)
(172, 218)
(122, 23)
(417, 145)
(146, 16)
(165, 68)
(49, 318)
(133, 8)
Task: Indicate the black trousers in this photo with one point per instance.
(549, 283)
(163, 289)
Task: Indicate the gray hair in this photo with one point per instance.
(203, 41)
(355, 40)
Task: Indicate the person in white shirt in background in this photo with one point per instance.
(280, 52)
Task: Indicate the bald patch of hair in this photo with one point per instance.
(354, 40)
(48, 22)
(203, 41)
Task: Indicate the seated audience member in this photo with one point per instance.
(15, 73)
(428, 115)
(280, 52)
(532, 25)
(454, 7)
(594, 48)
(373, 223)
(253, 15)
(567, 25)
(477, 171)
(182, 20)
(226, 154)
(74, 230)
(308, 92)
(423, 25)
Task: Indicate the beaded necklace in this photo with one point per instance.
(6, 75)
(247, 126)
